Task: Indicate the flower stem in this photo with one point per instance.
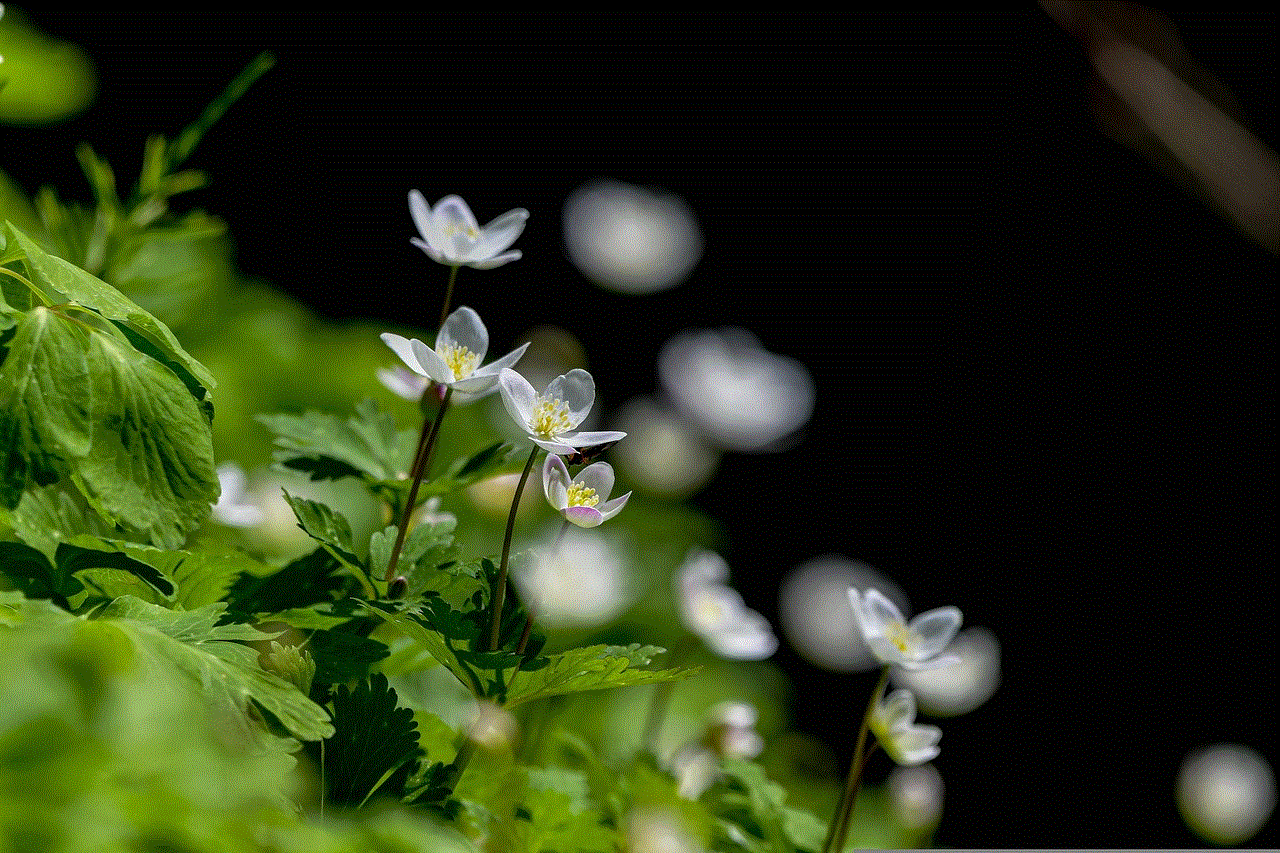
(448, 296)
(839, 829)
(426, 442)
(499, 592)
(528, 623)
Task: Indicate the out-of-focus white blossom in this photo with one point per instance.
(451, 236)
(492, 727)
(1226, 792)
(893, 722)
(234, 508)
(730, 733)
(815, 612)
(963, 686)
(629, 239)
(493, 495)
(915, 797)
(742, 396)
(716, 613)
(659, 831)
(584, 582)
(662, 453)
(894, 641)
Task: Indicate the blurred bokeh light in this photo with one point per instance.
(1226, 792)
(960, 688)
(817, 619)
(662, 454)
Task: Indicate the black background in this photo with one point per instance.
(1046, 390)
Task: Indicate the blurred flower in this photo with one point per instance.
(451, 236)
(894, 642)
(732, 731)
(915, 796)
(430, 513)
(551, 419)
(403, 382)
(455, 361)
(586, 581)
(492, 727)
(893, 722)
(963, 686)
(1226, 792)
(233, 508)
(662, 453)
(578, 499)
(742, 396)
(629, 239)
(494, 495)
(717, 613)
(658, 831)
(815, 614)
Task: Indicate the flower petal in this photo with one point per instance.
(914, 745)
(476, 386)
(880, 612)
(432, 364)
(577, 389)
(431, 253)
(464, 328)
(609, 509)
(936, 628)
(493, 368)
(432, 241)
(452, 210)
(495, 262)
(555, 482)
(598, 476)
(403, 347)
(583, 516)
(517, 395)
(554, 446)
(748, 637)
(499, 234)
(922, 665)
(897, 710)
(579, 440)
(403, 383)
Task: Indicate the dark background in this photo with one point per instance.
(1044, 372)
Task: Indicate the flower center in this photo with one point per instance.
(582, 495)
(901, 636)
(468, 231)
(550, 417)
(460, 360)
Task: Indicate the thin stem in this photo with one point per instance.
(500, 588)
(426, 441)
(839, 829)
(448, 296)
(459, 763)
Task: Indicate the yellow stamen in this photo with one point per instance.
(460, 360)
(581, 495)
(901, 636)
(550, 417)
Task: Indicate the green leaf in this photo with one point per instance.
(495, 459)
(589, 668)
(373, 745)
(81, 287)
(557, 815)
(150, 462)
(31, 572)
(48, 516)
(367, 446)
(324, 524)
(307, 581)
(227, 672)
(45, 403)
(343, 656)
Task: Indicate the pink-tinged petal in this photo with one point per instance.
(431, 363)
(403, 383)
(403, 347)
(583, 516)
(517, 395)
(464, 328)
(476, 386)
(431, 253)
(598, 476)
(609, 509)
(499, 234)
(496, 262)
(880, 611)
(553, 446)
(579, 440)
(936, 629)
(555, 482)
(578, 391)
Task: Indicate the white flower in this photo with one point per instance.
(551, 418)
(739, 394)
(455, 361)
(233, 508)
(585, 582)
(403, 382)
(961, 688)
(893, 722)
(629, 239)
(579, 499)
(893, 641)
(732, 731)
(451, 236)
(717, 613)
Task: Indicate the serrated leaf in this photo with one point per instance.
(81, 287)
(150, 461)
(589, 668)
(45, 403)
(557, 815)
(373, 745)
(308, 580)
(228, 673)
(493, 460)
(32, 572)
(48, 516)
(342, 656)
(327, 447)
(324, 524)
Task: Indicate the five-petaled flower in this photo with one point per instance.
(551, 418)
(579, 499)
(893, 722)
(455, 361)
(451, 236)
(892, 640)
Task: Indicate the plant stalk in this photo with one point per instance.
(426, 442)
(499, 592)
(839, 829)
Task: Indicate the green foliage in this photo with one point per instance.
(373, 745)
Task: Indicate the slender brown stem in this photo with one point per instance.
(448, 296)
(839, 829)
(500, 588)
(426, 441)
